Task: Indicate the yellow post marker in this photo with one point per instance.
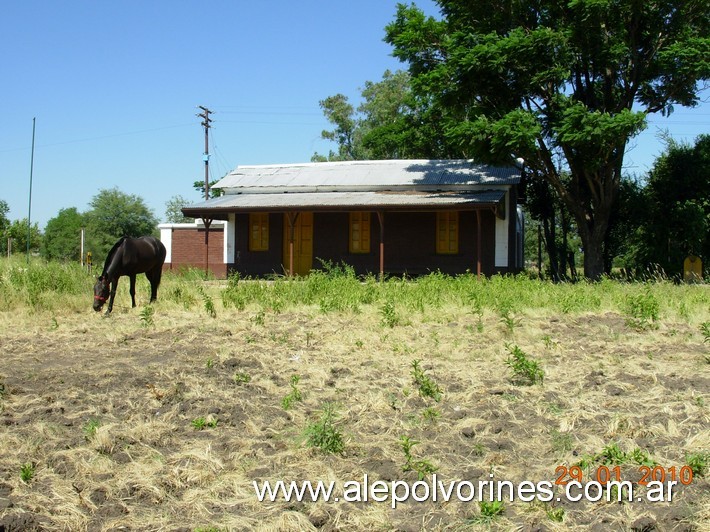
(692, 269)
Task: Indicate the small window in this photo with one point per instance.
(447, 232)
(359, 232)
(259, 231)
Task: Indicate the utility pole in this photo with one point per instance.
(205, 115)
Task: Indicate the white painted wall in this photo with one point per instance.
(501, 236)
(229, 238)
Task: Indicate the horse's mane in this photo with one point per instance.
(111, 253)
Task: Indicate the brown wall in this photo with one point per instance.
(410, 244)
(188, 250)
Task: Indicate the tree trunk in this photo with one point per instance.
(593, 242)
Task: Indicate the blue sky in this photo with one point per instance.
(115, 86)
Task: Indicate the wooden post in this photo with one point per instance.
(478, 243)
(381, 219)
(207, 222)
(292, 217)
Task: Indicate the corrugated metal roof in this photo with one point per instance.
(340, 200)
(367, 175)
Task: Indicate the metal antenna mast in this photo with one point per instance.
(29, 208)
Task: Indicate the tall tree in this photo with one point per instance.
(62, 236)
(389, 123)
(562, 84)
(340, 112)
(17, 230)
(677, 205)
(4, 225)
(173, 210)
(114, 214)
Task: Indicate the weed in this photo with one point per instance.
(210, 363)
(258, 318)
(208, 303)
(323, 434)
(27, 472)
(427, 386)
(241, 378)
(698, 462)
(643, 310)
(705, 329)
(612, 455)
(199, 423)
(90, 428)
(430, 414)
(549, 342)
(555, 514)
(478, 312)
(525, 371)
(147, 316)
(389, 317)
(478, 449)
(641, 458)
(422, 467)
(509, 320)
(292, 396)
(562, 442)
(490, 510)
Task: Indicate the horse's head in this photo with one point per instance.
(101, 292)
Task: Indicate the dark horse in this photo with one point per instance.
(130, 256)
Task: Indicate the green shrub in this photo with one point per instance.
(525, 371)
(643, 310)
(426, 385)
(323, 434)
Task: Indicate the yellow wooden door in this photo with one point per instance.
(302, 243)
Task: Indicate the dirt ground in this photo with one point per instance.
(103, 413)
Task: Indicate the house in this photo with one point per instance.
(381, 217)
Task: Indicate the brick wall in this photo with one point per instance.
(188, 250)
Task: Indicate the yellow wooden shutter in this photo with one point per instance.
(259, 231)
(447, 232)
(359, 232)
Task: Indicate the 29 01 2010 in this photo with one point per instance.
(604, 474)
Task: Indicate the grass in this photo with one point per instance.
(612, 393)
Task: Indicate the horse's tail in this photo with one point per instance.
(111, 253)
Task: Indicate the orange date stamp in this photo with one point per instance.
(605, 474)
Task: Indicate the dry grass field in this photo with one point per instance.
(162, 417)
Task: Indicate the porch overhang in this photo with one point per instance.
(219, 208)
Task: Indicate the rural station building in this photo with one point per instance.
(381, 217)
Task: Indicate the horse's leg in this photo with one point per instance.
(154, 279)
(114, 285)
(133, 290)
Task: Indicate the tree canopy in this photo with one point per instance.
(62, 236)
(115, 214)
(173, 210)
(677, 206)
(563, 85)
